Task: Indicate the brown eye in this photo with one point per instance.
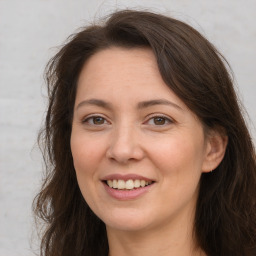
(98, 120)
(95, 120)
(159, 120)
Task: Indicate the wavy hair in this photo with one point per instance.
(225, 221)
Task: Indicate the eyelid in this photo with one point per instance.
(169, 120)
(155, 115)
(91, 116)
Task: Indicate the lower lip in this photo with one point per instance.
(127, 194)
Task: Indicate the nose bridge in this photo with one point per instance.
(125, 144)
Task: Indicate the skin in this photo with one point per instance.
(164, 142)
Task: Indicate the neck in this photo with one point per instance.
(169, 239)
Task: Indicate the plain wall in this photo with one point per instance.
(29, 32)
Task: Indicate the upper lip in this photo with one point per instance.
(126, 177)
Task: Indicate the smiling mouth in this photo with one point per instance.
(128, 184)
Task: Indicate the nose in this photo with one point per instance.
(125, 145)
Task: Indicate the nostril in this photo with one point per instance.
(124, 149)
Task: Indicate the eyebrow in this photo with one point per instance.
(141, 105)
(149, 103)
(96, 102)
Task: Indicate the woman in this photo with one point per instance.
(146, 150)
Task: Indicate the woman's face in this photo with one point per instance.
(129, 130)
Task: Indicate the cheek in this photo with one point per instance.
(86, 152)
(179, 155)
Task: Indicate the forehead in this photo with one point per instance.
(121, 71)
(119, 63)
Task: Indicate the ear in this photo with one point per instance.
(216, 143)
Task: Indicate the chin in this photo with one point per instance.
(127, 221)
(126, 226)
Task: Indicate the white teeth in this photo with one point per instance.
(114, 183)
(142, 183)
(110, 183)
(129, 184)
(121, 184)
(137, 183)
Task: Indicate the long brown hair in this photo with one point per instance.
(225, 222)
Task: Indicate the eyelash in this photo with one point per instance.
(92, 118)
(166, 120)
(153, 118)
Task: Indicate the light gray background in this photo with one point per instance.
(29, 31)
